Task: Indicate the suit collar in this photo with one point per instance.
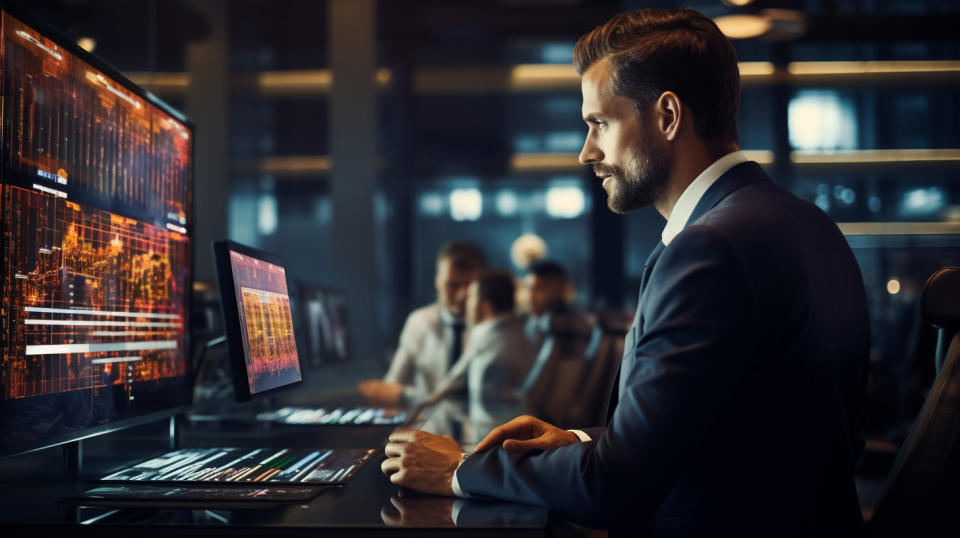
(739, 176)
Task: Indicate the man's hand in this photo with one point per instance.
(381, 392)
(526, 433)
(421, 461)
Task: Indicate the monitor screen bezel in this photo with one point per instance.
(230, 314)
(184, 400)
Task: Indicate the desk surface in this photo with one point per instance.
(32, 486)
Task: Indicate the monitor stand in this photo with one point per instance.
(73, 451)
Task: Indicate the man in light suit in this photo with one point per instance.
(738, 400)
(497, 356)
(432, 337)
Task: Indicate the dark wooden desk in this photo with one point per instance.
(32, 486)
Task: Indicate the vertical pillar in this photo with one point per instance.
(207, 105)
(353, 144)
(780, 102)
(607, 259)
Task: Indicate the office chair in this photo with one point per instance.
(603, 355)
(923, 488)
(557, 373)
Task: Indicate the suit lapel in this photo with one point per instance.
(739, 176)
(629, 342)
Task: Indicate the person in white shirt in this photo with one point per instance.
(497, 356)
(433, 335)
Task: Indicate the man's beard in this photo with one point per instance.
(640, 183)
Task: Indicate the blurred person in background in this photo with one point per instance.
(550, 293)
(433, 335)
(497, 356)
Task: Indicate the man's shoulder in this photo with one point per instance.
(425, 316)
(763, 216)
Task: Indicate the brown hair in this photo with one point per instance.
(462, 255)
(656, 50)
(497, 287)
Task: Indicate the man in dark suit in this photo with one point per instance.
(737, 404)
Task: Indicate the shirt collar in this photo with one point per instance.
(447, 317)
(692, 194)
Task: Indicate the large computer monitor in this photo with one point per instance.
(257, 319)
(95, 241)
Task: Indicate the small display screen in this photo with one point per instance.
(356, 416)
(266, 323)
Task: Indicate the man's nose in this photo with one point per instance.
(590, 153)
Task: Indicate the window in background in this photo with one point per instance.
(822, 120)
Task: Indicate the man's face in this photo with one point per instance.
(452, 285)
(621, 145)
(544, 292)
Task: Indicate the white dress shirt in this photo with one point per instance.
(675, 224)
(423, 354)
(694, 192)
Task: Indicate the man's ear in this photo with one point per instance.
(669, 114)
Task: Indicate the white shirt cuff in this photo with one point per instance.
(455, 484)
(580, 435)
(455, 509)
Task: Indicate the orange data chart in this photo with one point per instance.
(270, 349)
(95, 243)
(72, 132)
(94, 298)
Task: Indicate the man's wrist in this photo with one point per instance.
(454, 483)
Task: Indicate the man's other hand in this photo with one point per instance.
(526, 433)
(421, 461)
(381, 392)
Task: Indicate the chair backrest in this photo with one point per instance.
(553, 381)
(923, 488)
(603, 355)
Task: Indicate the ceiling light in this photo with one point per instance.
(743, 26)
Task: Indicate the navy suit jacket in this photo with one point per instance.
(738, 400)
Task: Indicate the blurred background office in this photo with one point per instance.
(355, 137)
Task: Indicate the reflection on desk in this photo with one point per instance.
(428, 511)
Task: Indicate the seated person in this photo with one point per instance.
(738, 401)
(432, 337)
(497, 354)
(550, 291)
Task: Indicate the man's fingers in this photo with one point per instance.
(390, 466)
(540, 443)
(402, 435)
(394, 450)
(398, 477)
(516, 428)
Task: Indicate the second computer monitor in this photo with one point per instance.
(257, 319)
(323, 315)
